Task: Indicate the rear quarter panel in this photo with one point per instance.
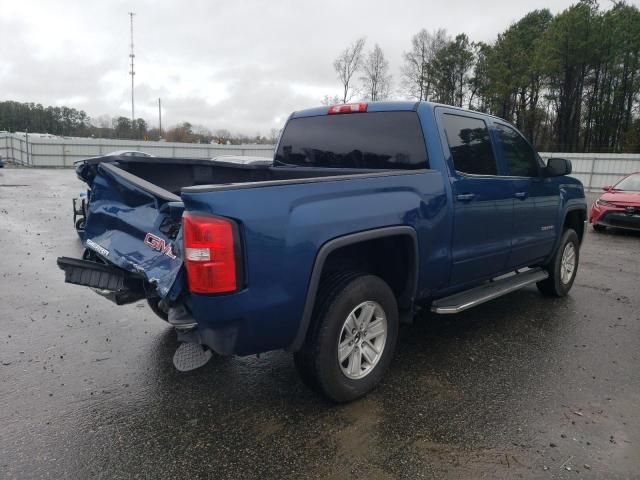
(283, 228)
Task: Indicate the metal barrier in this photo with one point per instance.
(595, 170)
(14, 149)
(36, 151)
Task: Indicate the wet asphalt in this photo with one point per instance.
(521, 387)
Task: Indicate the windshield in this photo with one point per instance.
(629, 184)
(374, 140)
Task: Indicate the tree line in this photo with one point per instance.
(569, 82)
(65, 121)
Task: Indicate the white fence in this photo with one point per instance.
(35, 151)
(594, 169)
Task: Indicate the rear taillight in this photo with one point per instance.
(347, 108)
(210, 253)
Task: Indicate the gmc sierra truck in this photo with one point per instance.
(367, 213)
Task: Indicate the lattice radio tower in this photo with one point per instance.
(132, 72)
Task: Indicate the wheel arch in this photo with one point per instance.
(575, 217)
(338, 243)
(573, 213)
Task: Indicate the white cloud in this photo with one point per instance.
(241, 65)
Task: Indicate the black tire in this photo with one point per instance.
(554, 286)
(153, 304)
(599, 228)
(317, 361)
(303, 359)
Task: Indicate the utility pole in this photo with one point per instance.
(160, 117)
(132, 72)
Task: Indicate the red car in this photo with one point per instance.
(619, 206)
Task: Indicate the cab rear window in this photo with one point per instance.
(371, 140)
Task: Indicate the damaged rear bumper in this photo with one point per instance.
(122, 287)
(224, 334)
(110, 282)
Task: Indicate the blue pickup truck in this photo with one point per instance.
(367, 213)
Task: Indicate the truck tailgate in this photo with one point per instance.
(135, 225)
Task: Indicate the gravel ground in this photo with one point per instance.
(522, 387)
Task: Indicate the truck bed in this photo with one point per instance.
(135, 208)
(172, 174)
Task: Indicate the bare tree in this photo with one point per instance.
(222, 136)
(417, 71)
(274, 134)
(103, 121)
(376, 78)
(201, 130)
(330, 100)
(346, 65)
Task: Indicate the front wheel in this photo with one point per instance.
(563, 266)
(352, 337)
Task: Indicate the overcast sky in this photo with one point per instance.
(241, 65)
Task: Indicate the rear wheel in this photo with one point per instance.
(563, 266)
(352, 337)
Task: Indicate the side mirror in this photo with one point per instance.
(557, 167)
(607, 188)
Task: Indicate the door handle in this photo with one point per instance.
(521, 195)
(465, 197)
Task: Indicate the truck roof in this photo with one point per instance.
(399, 106)
(386, 106)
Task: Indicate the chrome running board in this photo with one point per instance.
(488, 291)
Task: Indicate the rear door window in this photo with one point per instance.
(522, 161)
(369, 140)
(470, 145)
